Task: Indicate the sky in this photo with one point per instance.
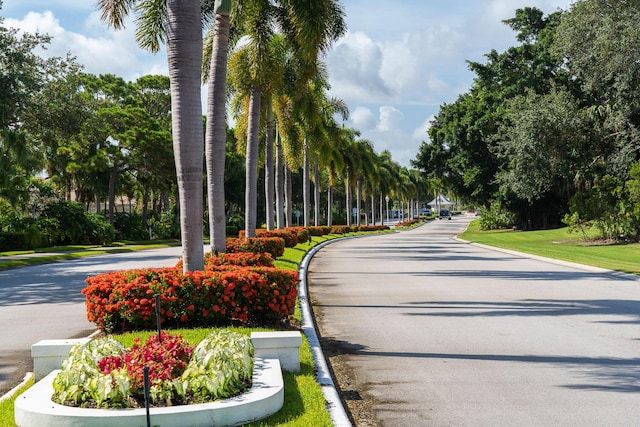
(397, 64)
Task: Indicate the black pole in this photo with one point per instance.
(145, 375)
(157, 297)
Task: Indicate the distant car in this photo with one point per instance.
(445, 214)
(425, 212)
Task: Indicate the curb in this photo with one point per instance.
(323, 375)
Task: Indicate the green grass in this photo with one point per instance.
(6, 406)
(562, 245)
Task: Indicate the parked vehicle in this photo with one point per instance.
(445, 213)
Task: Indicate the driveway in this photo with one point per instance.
(429, 331)
(44, 302)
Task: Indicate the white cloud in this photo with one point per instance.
(420, 133)
(106, 51)
(363, 118)
(390, 118)
(355, 64)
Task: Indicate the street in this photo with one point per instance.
(435, 332)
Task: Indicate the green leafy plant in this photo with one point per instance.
(104, 374)
(221, 366)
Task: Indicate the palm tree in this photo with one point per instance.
(309, 27)
(182, 33)
(215, 135)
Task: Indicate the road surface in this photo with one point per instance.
(435, 332)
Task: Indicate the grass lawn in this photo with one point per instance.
(560, 244)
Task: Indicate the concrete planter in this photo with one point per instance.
(34, 408)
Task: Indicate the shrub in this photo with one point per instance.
(272, 245)
(320, 230)
(66, 222)
(99, 231)
(20, 241)
(243, 259)
(166, 226)
(497, 218)
(340, 229)
(69, 222)
(301, 233)
(290, 238)
(124, 300)
(219, 367)
(129, 226)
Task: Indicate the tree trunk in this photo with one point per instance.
(316, 193)
(113, 174)
(279, 182)
(288, 195)
(216, 135)
(348, 199)
(145, 208)
(251, 192)
(329, 205)
(373, 209)
(269, 168)
(305, 184)
(184, 57)
(358, 201)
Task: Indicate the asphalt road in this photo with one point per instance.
(441, 333)
(44, 302)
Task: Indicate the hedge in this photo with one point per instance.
(290, 237)
(242, 259)
(271, 245)
(124, 300)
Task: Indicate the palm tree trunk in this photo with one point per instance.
(288, 195)
(251, 192)
(329, 205)
(279, 182)
(269, 185)
(316, 193)
(373, 209)
(305, 184)
(215, 138)
(358, 200)
(348, 199)
(184, 57)
(381, 210)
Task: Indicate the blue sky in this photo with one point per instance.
(397, 64)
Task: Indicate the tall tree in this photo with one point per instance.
(182, 31)
(310, 27)
(215, 136)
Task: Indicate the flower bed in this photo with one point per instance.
(124, 300)
(103, 374)
(34, 408)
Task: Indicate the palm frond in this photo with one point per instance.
(151, 20)
(115, 12)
